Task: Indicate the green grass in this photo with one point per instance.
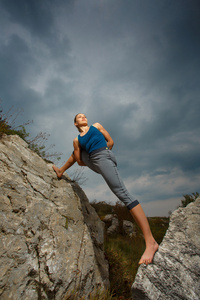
(123, 255)
(158, 227)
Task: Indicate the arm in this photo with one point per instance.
(110, 142)
(77, 152)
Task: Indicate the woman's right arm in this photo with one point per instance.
(77, 152)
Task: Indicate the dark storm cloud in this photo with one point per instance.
(166, 67)
(17, 63)
(35, 16)
(25, 55)
(60, 92)
(165, 42)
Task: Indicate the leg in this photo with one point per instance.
(151, 245)
(71, 161)
(108, 169)
(67, 165)
(85, 158)
(105, 163)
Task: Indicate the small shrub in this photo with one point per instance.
(78, 176)
(188, 199)
(102, 208)
(8, 126)
(36, 144)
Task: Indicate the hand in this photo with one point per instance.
(110, 145)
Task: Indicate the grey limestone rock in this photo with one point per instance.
(175, 271)
(128, 228)
(109, 218)
(113, 229)
(113, 225)
(51, 239)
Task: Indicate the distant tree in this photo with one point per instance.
(188, 199)
(122, 212)
(102, 208)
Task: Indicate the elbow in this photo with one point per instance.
(80, 163)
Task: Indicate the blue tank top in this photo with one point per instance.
(92, 140)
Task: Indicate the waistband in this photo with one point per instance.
(98, 150)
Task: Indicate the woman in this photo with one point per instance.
(92, 148)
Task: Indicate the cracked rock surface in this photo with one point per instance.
(175, 272)
(51, 239)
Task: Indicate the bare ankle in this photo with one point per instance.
(58, 171)
(151, 243)
(149, 253)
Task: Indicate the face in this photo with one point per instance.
(81, 120)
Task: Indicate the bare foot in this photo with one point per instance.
(58, 171)
(148, 254)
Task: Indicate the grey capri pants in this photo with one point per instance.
(104, 163)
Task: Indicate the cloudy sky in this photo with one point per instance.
(132, 65)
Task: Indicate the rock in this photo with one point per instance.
(108, 218)
(51, 239)
(113, 229)
(112, 221)
(175, 271)
(128, 228)
(96, 228)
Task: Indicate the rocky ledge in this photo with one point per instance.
(175, 271)
(51, 239)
